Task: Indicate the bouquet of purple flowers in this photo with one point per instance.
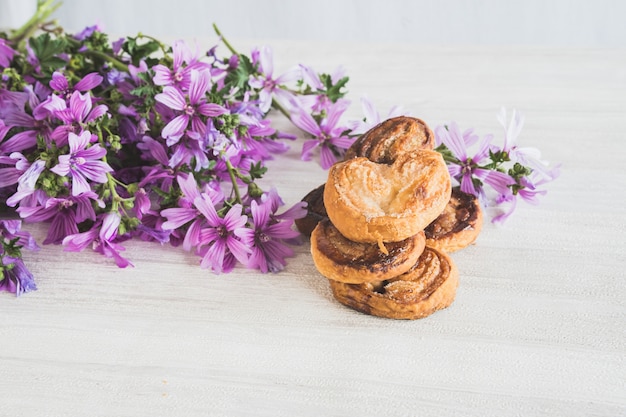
(111, 140)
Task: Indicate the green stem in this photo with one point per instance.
(163, 47)
(280, 108)
(228, 45)
(233, 179)
(44, 9)
(119, 65)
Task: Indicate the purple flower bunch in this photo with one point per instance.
(106, 142)
(498, 175)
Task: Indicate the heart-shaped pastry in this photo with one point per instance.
(372, 202)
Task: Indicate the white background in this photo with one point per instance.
(570, 23)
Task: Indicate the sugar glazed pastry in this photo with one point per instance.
(371, 202)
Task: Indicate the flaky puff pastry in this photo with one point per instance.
(372, 202)
(386, 141)
(458, 226)
(430, 285)
(340, 259)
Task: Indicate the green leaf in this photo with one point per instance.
(239, 77)
(47, 49)
(139, 51)
(257, 170)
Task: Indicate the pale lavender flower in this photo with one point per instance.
(528, 192)
(467, 170)
(528, 156)
(268, 85)
(83, 163)
(218, 244)
(191, 109)
(27, 181)
(318, 102)
(371, 117)
(328, 135)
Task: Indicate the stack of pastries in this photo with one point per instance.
(382, 225)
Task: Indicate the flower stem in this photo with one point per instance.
(117, 64)
(44, 9)
(226, 43)
(233, 179)
(280, 108)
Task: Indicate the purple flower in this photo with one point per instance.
(60, 83)
(102, 236)
(64, 214)
(266, 238)
(327, 134)
(528, 156)
(186, 212)
(467, 170)
(218, 244)
(191, 110)
(76, 111)
(319, 102)
(27, 181)
(83, 163)
(11, 230)
(184, 60)
(6, 53)
(270, 86)
(87, 32)
(15, 277)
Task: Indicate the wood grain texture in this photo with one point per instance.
(537, 328)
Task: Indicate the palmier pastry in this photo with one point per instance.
(371, 202)
(315, 211)
(430, 285)
(340, 259)
(459, 224)
(386, 141)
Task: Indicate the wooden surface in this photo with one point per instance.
(538, 327)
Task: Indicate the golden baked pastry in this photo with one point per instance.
(315, 211)
(386, 141)
(340, 259)
(459, 224)
(371, 202)
(430, 285)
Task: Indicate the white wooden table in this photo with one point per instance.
(538, 327)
